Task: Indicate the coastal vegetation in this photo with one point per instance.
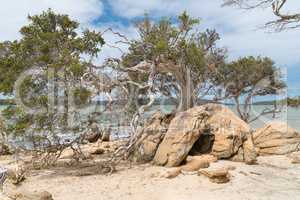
(51, 73)
(171, 60)
(173, 98)
(293, 101)
(51, 48)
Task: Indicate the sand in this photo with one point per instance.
(273, 178)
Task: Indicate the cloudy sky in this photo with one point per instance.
(239, 30)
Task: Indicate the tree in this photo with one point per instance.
(246, 78)
(174, 57)
(285, 20)
(52, 44)
(293, 101)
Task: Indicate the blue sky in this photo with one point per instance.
(239, 30)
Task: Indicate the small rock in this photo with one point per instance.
(4, 149)
(217, 175)
(16, 173)
(97, 151)
(33, 196)
(106, 136)
(172, 173)
(197, 162)
(93, 137)
(295, 157)
(231, 168)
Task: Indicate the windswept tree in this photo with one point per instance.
(53, 45)
(173, 56)
(284, 19)
(246, 78)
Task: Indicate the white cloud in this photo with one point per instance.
(131, 8)
(14, 12)
(239, 30)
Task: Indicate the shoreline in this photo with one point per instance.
(273, 178)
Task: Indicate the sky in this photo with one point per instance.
(239, 30)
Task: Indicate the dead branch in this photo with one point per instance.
(285, 21)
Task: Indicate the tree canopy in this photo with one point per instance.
(53, 44)
(179, 53)
(246, 78)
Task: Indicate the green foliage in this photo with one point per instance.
(34, 91)
(293, 102)
(179, 50)
(50, 40)
(81, 96)
(12, 64)
(249, 75)
(246, 78)
(52, 43)
(178, 42)
(16, 120)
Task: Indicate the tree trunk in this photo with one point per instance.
(131, 106)
(243, 115)
(66, 102)
(187, 89)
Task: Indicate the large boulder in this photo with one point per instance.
(229, 130)
(211, 128)
(247, 152)
(276, 138)
(151, 136)
(184, 130)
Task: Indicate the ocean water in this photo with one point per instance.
(291, 115)
(117, 119)
(2, 107)
(117, 122)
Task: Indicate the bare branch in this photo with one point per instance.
(285, 21)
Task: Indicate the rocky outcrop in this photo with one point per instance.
(247, 152)
(276, 139)
(208, 129)
(184, 130)
(231, 133)
(151, 136)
